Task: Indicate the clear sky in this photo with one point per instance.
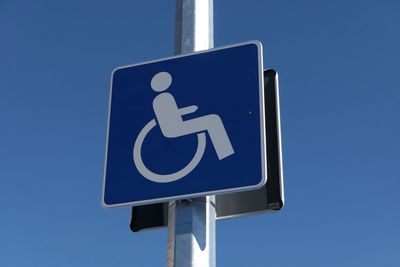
(339, 67)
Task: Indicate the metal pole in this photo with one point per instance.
(191, 223)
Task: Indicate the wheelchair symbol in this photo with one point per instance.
(172, 125)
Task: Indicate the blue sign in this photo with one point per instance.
(186, 126)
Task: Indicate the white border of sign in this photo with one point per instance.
(262, 128)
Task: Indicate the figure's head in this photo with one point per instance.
(161, 81)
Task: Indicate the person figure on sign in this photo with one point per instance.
(169, 118)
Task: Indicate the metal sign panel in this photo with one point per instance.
(186, 126)
(268, 198)
(271, 196)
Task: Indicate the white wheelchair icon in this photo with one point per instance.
(170, 121)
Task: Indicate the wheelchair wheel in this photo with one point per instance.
(165, 178)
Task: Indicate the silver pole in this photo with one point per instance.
(191, 223)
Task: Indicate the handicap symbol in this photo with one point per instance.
(172, 125)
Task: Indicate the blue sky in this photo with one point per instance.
(339, 66)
